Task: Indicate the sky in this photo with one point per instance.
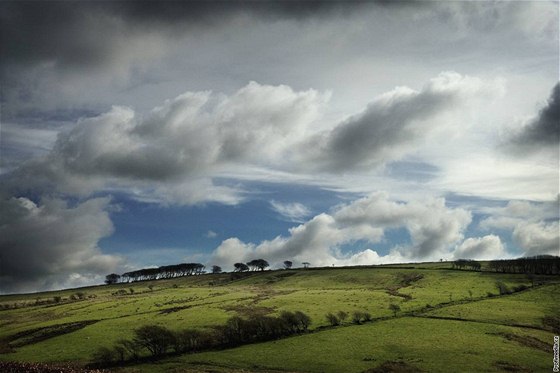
(138, 134)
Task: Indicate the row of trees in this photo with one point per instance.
(163, 272)
(157, 341)
(467, 263)
(186, 269)
(539, 265)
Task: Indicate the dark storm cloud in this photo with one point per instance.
(42, 245)
(544, 130)
(84, 34)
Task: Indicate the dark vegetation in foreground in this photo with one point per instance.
(154, 342)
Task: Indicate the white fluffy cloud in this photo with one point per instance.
(52, 244)
(172, 153)
(534, 226)
(481, 248)
(432, 226)
(538, 238)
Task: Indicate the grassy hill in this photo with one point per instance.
(449, 320)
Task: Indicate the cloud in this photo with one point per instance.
(294, 212)
(393, 125)
(542, 131)
(432, 226)
(173, 152)
(50, 47)
(534, 226)
(211, 234)
(481, 248)
(51, 244)
(538, 238)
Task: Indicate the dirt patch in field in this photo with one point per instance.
(31, 336)
(249, 311)
(394, 367)
(509, 367)
(173, 309)
(527, 341)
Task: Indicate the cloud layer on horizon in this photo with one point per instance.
(433, 229)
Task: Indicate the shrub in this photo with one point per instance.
(289, 318)
(103, 355)
(303, 321)
(502, 288)
(395, 308)
(57, 298)
(156, 339)
(357, 317)
(332, 319)
(188, 340)
(342, 316)
(367, 316)
(131, 349)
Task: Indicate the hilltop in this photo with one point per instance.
(420, 317)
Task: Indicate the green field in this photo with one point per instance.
(449, 320)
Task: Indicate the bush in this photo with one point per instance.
(57, 299)
(303, 321)
(502, 288)
(342, 316)
(156, 339)
(332, 319)
(103, 355)
(188, 340)
(129, 349)
(357, 317)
